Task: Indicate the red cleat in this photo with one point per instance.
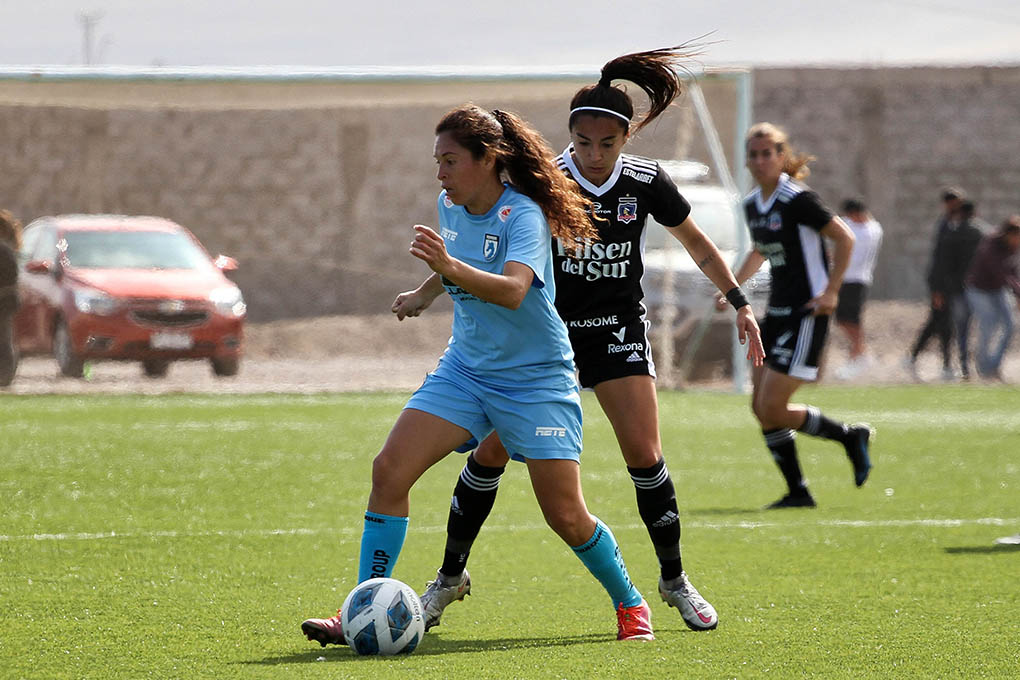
(324, 631)
(634, 623)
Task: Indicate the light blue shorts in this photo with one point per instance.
(531, 422)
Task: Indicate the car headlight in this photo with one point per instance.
(228, 301)
(91, 301)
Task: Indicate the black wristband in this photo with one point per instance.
(736, 298)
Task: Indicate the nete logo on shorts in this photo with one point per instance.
(550, 432)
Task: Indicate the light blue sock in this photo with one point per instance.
(601, 555)
(381, 541)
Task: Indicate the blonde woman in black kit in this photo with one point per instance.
(788, 222)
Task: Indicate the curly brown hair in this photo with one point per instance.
(10, 229)
(525, 159)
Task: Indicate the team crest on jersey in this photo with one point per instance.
(504, 212)
(775, 221)
(490, 247)
(626, 211)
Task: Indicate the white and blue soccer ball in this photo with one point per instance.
(382, 616)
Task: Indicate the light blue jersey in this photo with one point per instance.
(515, 348)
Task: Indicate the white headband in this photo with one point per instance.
(599, 108)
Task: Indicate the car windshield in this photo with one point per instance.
(134, 250)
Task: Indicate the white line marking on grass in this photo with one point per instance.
(259, 533)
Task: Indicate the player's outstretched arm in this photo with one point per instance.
(710, 261)
(705, 254)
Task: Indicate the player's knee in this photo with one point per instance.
(770, 413)
(491, 456)
(386, 478)
(572, 525)
(758, 408)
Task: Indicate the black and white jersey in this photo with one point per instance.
(598, 283)
(785, 230)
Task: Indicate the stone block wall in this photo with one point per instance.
(314, 188)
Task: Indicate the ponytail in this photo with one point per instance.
(530, 169)
(526, 160)
(654, 71)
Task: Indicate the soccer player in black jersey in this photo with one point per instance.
(788, 222)
(598, 295)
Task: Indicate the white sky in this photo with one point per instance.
(538, 33)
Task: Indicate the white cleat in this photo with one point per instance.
(438, 596)
(697, 613)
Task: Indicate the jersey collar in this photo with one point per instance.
(765, 206)
(568, 159)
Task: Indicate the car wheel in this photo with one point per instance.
(70, 363)
(226, 366)
(155, 368)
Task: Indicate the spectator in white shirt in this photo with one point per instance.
(854, 291)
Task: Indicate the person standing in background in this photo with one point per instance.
(856, 282)
(962, 242)
(10, 243)
(944, 283)
(992, 274)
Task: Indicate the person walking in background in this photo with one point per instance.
(854, 291)
(962, 240)
(956, 238)
(788, 222)
(10, 243)
(508, 367)
(991, 277)
(598, 295)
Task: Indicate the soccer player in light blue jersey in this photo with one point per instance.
(508, 367)
(599, 297)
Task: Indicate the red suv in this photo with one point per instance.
(130, 288)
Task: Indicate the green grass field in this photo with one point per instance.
(188, 536)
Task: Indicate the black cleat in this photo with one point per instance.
(793, 500)
(857, 445)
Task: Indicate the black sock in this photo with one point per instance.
(782, 443)
(472, 500)
(818, 425)
(656, 501)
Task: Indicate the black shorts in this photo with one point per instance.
(612, 351)
(793, 343)
(851, 301)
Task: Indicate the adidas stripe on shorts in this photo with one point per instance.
(793, 343)
(609, 352)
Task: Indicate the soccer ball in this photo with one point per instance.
(382, 616)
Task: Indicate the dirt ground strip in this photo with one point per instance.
(339, 354)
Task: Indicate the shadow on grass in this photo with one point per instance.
(982, 549)
(434, 644)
